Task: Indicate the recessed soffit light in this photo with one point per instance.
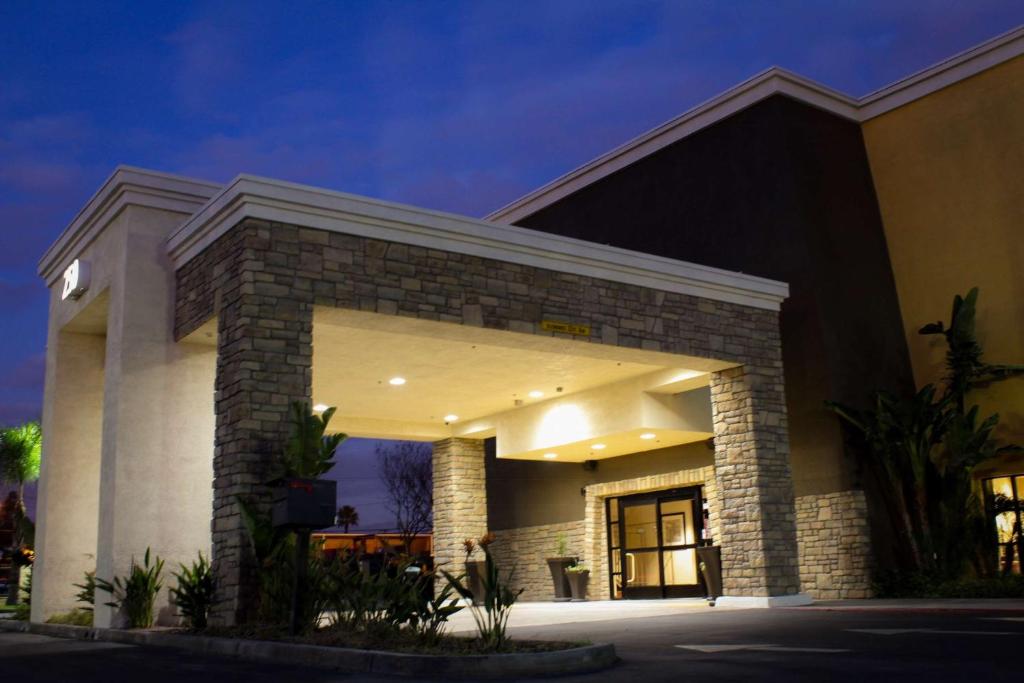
(451, 418)
(396, 381)
(535, 394)
(551, 456)
(598, 446)
(647, 436)
(320, 407)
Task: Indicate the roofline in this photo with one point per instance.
(774, 81)
(250, 196)
(127, 185)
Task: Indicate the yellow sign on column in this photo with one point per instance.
(574, 329)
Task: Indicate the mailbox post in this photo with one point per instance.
(302, 505)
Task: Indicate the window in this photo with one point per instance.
(1005, 503)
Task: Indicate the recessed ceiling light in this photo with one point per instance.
(551, 456)
(320, 407)
(451, 418)
(647, 436)
(535, 394)
(396, 381)
(598, 446)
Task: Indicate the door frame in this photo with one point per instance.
(694, 493)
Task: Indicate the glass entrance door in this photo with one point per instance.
(653, 541)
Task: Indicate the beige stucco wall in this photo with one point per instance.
(69, 482)
(947, 171)
(143, 476)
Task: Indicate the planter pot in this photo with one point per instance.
(304, 503)
(578, 582)
(557, 567)
(710, 558)
(475, 580)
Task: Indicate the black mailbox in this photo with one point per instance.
(308, 503)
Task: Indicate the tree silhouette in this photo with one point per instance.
(347, 517)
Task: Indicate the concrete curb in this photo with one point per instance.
(577, 660)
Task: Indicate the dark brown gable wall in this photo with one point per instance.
(780, 190)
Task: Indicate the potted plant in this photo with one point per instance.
(557, 566)
(710, 562)
(475, 568)
(578, 576)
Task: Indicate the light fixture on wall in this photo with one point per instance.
(396, 381)
(647, 436)
(320, 407)
(551, 456)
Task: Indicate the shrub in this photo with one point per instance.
(925, 585)
(430, 619)
(194, 595)
(76, 617)
(87, 594)
(136, 592)
(23, 609)
(491, 616)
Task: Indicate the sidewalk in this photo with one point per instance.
(550, 613)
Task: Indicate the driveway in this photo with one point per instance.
(801, 644)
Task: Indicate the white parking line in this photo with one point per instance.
(758, 647)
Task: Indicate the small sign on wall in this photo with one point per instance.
(574, 329)
(76, 280)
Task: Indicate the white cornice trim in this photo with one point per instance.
(944, 74)
(279, 201)
(127, 185)
(774, 81)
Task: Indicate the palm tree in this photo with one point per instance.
(20, 452)
(347, 517)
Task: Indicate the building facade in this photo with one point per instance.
(621, 367)
(876, 211)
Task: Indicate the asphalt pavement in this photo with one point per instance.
(755, 645)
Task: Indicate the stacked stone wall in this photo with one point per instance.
(527, 549)
(758, 524)
(460, 500)
(834, 543)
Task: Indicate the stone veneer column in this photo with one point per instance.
(757, 530)
(460, 499)
(264, 363)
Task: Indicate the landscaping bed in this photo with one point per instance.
(575, 660)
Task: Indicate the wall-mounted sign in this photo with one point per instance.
(76, 280)
(565, 328)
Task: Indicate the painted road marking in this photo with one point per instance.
(934, 631)
(759, 647)
(1003, 618)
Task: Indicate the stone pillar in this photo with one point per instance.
(757, 529)
(460, 499)
(264, 363)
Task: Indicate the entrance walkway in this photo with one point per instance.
(555, 613)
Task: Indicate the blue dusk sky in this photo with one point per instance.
(459, 106)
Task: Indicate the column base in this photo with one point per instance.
(761, 602)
